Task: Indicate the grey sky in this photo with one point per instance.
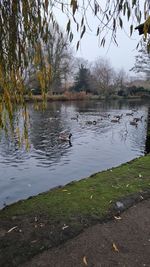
(121, 56)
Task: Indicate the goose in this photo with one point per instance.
(138, 119)
(94, 122)
(115, 120)
(91, 122)
(65, 137)
(118, 116)
(129, 114)
(134, 123)
(106, 115)
(75, 118)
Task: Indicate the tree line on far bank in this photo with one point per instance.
(66, 73)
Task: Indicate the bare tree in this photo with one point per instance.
(56, 57)
(59, 55)
(103, 74)
(121, 79)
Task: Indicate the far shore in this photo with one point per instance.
(78, 96)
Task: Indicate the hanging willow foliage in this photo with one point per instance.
(25, 28)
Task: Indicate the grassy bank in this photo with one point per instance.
(52, 217)
(69, 96)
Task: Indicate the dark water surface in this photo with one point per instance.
(95, 146)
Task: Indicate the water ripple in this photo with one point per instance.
(96, 144)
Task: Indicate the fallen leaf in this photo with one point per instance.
(64, 227)
(42, 224)
(33, 241)
(115, 247)
(85, 260)
(117, 217)
(11, 229)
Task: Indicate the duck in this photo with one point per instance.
(65, 137)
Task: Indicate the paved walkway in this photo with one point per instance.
(122, 242)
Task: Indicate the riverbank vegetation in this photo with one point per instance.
(33, 225)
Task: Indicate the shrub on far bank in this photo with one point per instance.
(134, 91)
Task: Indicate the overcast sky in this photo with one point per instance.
(121, 56)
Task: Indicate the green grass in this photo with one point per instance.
(88, 197)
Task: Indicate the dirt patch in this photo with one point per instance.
(22, 237)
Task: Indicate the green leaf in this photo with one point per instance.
(62, 7)
(82, 21)
(78, 43)
(46, 5)
(120, 22)
(83, 31)
(103, 42)
(74, 6)
(68, 26)
(97, 31)
(107, 17)
(71, 37)
(133, 3)
(95, 9)
(131, 30)
(124, 9)
(114, 24)
(128, 13)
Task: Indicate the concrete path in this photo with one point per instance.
(122, 242)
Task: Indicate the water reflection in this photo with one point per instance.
(97, 143)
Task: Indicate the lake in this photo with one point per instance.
(97, 143)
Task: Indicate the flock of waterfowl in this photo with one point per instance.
(133, 120)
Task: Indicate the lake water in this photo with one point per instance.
(95, 146)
